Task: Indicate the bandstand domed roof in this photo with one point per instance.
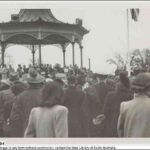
(39, 26)
(33, 15)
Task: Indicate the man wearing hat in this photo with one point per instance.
(6, 98)
(95, 101)
(134, 119)
(28, 99)
(73, 100)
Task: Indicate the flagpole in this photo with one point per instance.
(128, 44)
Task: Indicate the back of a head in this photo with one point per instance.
(32, 72)
(4, 86)
(14, 76)
(111, 84)
(141, 83)
(50, 93)
(72, 79)
(18, 87)
(34, 78)
(124, 80)
(59, 81)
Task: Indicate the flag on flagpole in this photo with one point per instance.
(135, 13)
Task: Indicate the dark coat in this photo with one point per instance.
(73, 100)
(102, 90)
(93, 106)
(91, 109)
(1, 116)
(7, 99)
(21, 110)
(112, 108)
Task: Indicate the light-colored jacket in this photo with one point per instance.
(134, 119)
(48, 122)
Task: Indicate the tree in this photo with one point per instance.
(140, 59)
(136, 60)
(119, 62)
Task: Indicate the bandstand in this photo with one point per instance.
(38, 27)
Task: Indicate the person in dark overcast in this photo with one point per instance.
(73, 100)
(113, 100)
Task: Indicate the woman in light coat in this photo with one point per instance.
(134, 119)
(50, 119)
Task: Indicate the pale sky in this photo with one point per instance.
(107, 22)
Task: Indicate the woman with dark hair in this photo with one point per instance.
(50, 119)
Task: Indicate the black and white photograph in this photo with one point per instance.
(74, 69)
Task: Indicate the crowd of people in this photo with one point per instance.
(35, 102)
(46, 70)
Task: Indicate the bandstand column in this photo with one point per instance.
(40, 55)
(89, 64)
(33, 54)
(81, 55)
(64, 55)
(73, 55)
(3, 46)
